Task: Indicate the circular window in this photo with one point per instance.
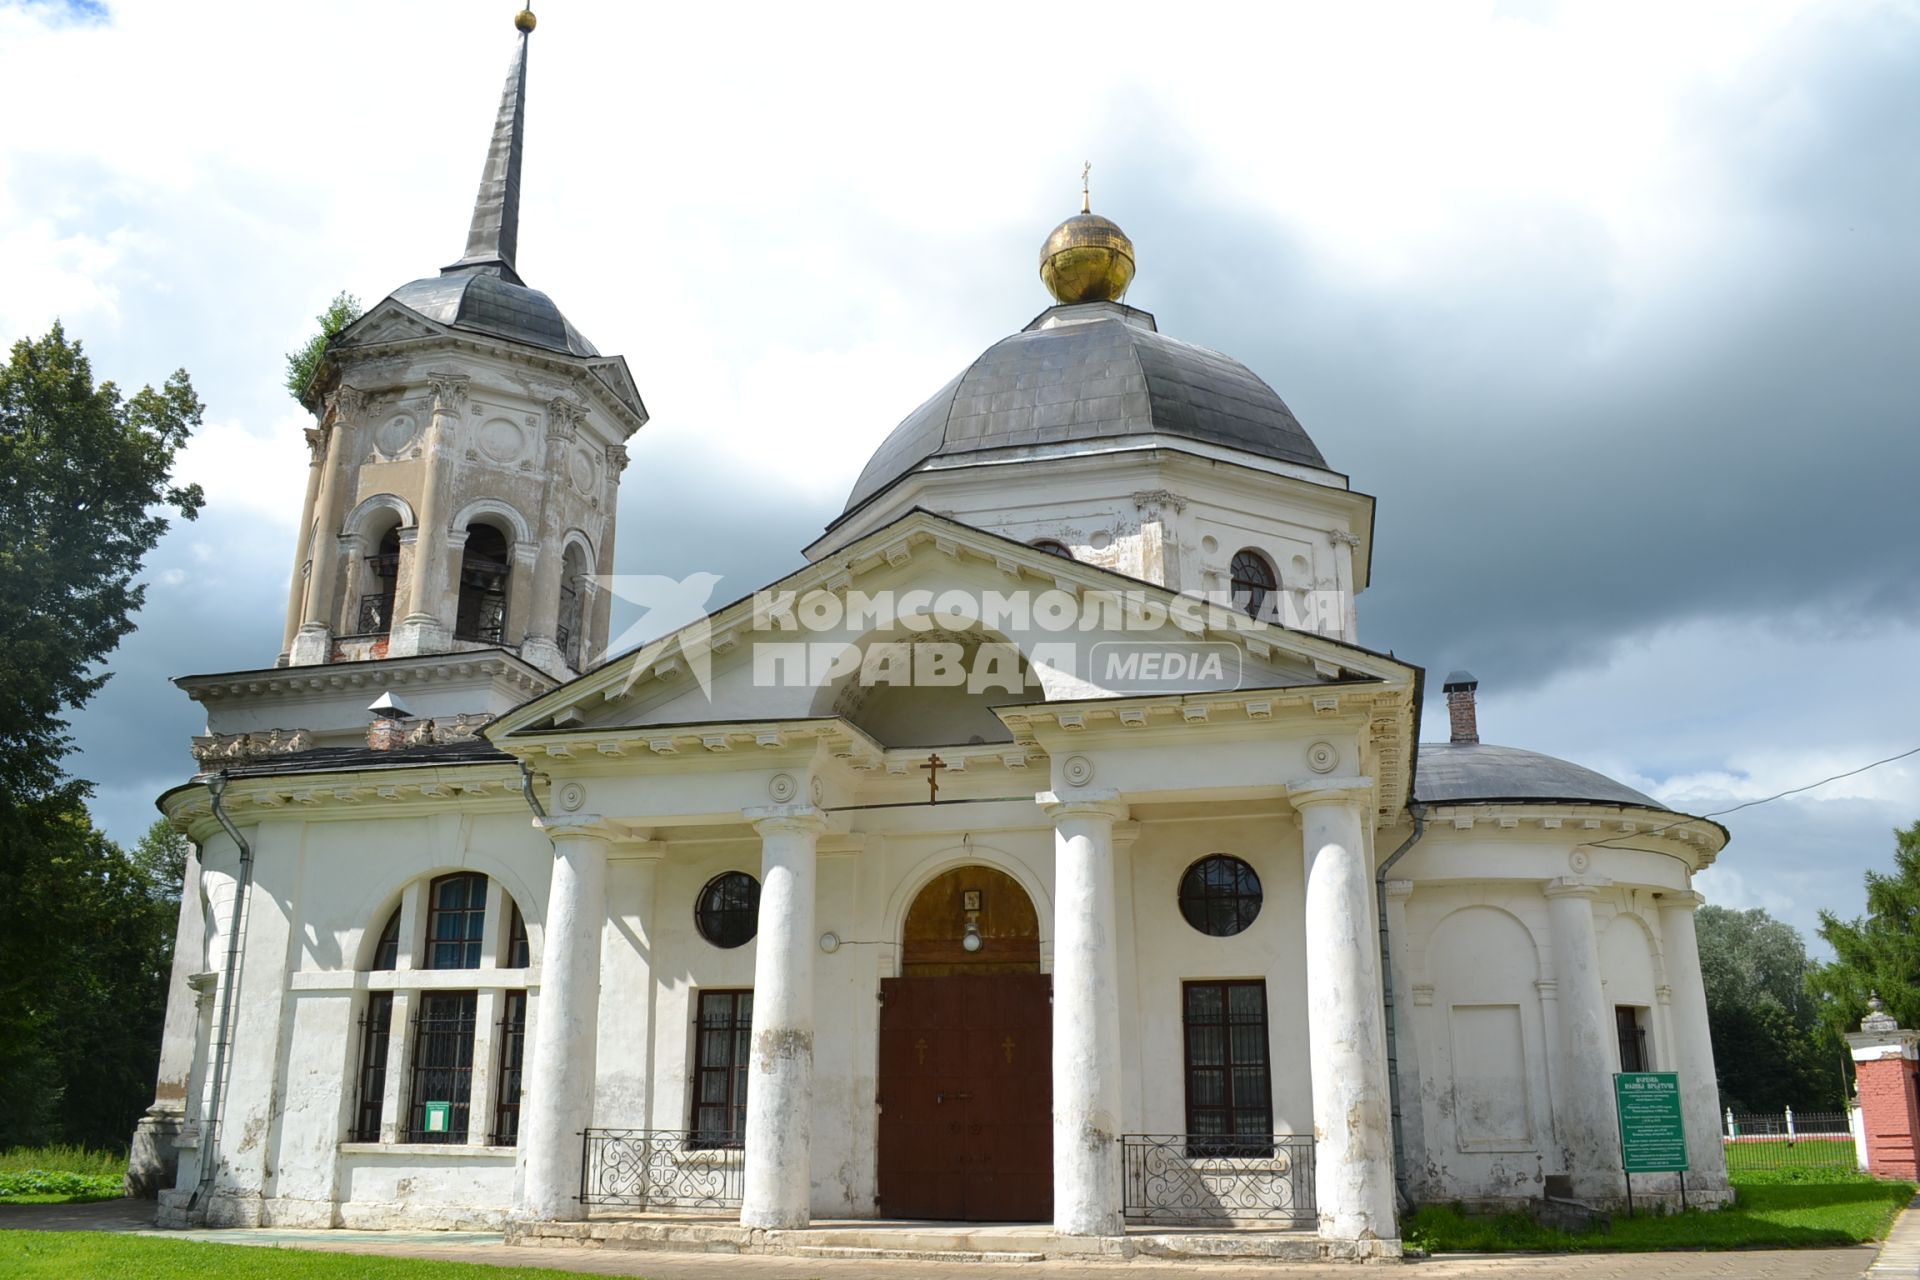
(1220, 895)
(728, 910)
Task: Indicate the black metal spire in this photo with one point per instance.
(494, 238)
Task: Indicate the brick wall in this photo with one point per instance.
(1892, 1114)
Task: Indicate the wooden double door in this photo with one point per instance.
(966, 1098)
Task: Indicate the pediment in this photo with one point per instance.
(389, 321)
(1031, 628)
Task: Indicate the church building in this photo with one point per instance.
(1050, 849)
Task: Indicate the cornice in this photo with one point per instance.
(383, 673)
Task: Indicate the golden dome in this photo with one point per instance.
(1087, 259)
(524, 21)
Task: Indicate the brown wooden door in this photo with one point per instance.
(966, 1098)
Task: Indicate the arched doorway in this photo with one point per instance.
(966, 1057)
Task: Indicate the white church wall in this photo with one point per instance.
(1484, 1047)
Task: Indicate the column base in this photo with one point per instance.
(312, 645)
(154, 1162)
(419, 633)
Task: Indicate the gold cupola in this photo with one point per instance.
(1087, 258)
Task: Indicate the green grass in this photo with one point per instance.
(1783, 1208)
(60, 1175)
(51, 1255)
(1807, 1153)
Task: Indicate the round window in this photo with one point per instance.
(728, 909)
(1220, 895)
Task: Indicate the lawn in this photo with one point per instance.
(61, 1255)
(60, 1175)
(1780, 1208)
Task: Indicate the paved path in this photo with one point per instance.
(1902, 1257)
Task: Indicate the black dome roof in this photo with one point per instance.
(485, 301)
(1096, 371)
(1452, 772)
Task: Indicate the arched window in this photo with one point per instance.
(1220, 895)
(386, 956)
(517, 952)
(728, 910)
(571, 636)
(456, 917)
(1254, 583)
(383, 575)
(1052, 548)
(484, 568)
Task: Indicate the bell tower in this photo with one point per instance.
(465, 459)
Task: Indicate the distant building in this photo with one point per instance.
(1047, 849)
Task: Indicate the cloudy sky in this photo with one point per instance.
(1614, 308)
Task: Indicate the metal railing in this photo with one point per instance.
(1200, 1178)
(658, 1169)
(1788, 1139)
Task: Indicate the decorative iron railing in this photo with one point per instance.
(1199, 1178)
(658, 1169)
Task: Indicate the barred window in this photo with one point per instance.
(376, 1033)
(513, 1049)
(442, 1065)
(728, 910)
(386, 955)
(1633, 1038)
(722, 1040)
(1220, 895)
(1229, 1093)
(456, 917)
(1254, 582)
(481, 613)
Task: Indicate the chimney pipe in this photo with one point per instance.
(1462, 717)
(388, 730)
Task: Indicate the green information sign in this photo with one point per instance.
(439, 1114)
(1652, 1137)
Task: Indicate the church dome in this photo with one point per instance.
(1459, 772)
(1094, 374)
(484, 301)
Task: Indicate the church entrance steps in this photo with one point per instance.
(852, 1239)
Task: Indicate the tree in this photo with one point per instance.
(161, 857)
(86, 486)
(301, 364)
(1879, 951)
(84, 475)
(1768, 1045)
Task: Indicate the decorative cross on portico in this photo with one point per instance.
(933, 766)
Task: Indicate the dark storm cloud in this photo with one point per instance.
(1565, 454)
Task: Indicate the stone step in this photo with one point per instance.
(858, 1253)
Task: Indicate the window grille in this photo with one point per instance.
(1633, 1039)
(482, 611)
(728, 909)
(722, 1046)
(376, 1027)
(1229, 1090)
(442, 1064)
(1220, 895)
(513, 1049)
(456, 917)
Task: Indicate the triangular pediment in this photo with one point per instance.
(839, 637)
(389, 321)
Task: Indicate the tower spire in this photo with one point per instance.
(493, 239)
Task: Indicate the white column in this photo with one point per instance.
(428, 625)
(1693, 1048)
(778, 1172)
(1086, 1016)
(1346, 1028)
(556, 1099)
(1584, 1119)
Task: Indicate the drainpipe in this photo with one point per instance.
(526, 789)
(210, 1128)
(1419, 812)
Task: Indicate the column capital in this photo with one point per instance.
(579, 826)
(1576, 886)
(783, 819)
(1681, 899)
(1314, 791)
(1397, 889)
(1083, 804)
